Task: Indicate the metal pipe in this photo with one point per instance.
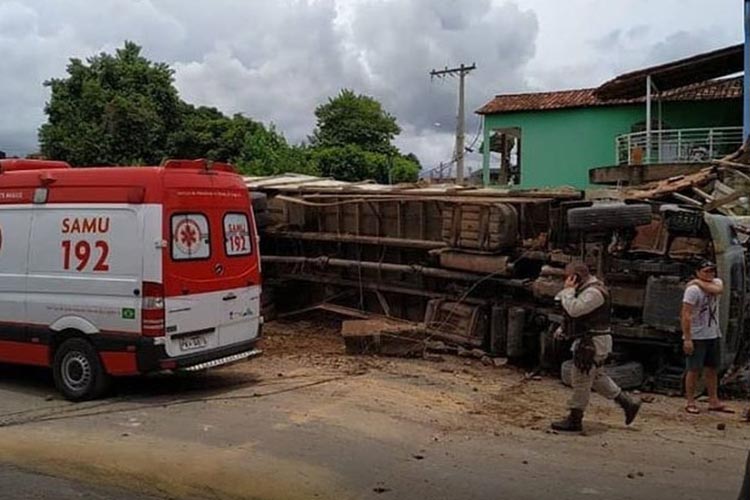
(647, 156)
(660, 126)
(370, 286)
(485, 153)
(431, 272)
(351, 238)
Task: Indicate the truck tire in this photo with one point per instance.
(259, 201)
(628, 375)
(609, 215)
(78, 372)
(262, 219)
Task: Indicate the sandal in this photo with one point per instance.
(692, 409)
(721, 409)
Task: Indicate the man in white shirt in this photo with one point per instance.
(701, 336)
(587, 306)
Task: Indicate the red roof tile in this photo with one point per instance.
(539, 101)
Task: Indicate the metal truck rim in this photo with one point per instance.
(76, 371)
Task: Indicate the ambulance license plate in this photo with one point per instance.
(193, 342)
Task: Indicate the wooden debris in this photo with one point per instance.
(667, 187)
(720, 202)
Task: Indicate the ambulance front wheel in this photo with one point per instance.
(78, 371)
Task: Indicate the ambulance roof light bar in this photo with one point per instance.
(200, 164)
(19, 164)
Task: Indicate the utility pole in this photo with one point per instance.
(461, 71)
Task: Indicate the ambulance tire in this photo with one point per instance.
(78, 371)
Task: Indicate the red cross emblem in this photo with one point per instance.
(187, 236)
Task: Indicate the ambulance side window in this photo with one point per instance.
(237, 234)
(190, 237)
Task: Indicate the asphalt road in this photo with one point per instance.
(17, 484)
(282, 429)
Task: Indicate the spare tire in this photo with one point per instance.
(628, 375)
(609, 215)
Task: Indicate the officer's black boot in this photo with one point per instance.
(629, 406)
(572, 423)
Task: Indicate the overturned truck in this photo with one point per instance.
(481, 267)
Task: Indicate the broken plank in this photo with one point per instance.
(719, 202)
(687, 199)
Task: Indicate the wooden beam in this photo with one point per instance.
(383, 303)
(719, 202)
(687, 199)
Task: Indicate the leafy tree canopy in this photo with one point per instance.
(123, 109)
(353, 138)
(113, 109)
(351, 119)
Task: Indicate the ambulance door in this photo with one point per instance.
(15, 223)
(192, 300)
(84, 268)
(240, 318)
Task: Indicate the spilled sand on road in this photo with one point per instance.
(163, 467)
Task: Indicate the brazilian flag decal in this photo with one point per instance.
(128, 313)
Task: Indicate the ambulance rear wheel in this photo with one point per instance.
(78, 372)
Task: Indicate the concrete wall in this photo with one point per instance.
(559, 147)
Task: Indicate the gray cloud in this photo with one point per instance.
(275, 61)
(382, 48)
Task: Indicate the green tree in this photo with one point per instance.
(124, 109)
(404, 169)
(352, 141)
(266, 152)
(111, 110)
(350, 163)
(351, 119)
(207, 133)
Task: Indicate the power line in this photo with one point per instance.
(470, 148)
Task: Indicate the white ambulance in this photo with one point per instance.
(122, 271)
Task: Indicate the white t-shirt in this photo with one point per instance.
(704, 324)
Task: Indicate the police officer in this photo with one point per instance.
(587, 306)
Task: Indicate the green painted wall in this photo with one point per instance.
(559, 147)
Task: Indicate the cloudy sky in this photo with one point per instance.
(276, 60)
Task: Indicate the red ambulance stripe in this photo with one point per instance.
(119, 363)
(24, 353)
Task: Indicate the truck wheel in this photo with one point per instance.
(259, 201)
(78, 371)
(262, 219)
(610, 215)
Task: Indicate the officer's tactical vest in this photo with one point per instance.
(596, 322)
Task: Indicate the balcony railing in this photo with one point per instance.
(685, 145)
